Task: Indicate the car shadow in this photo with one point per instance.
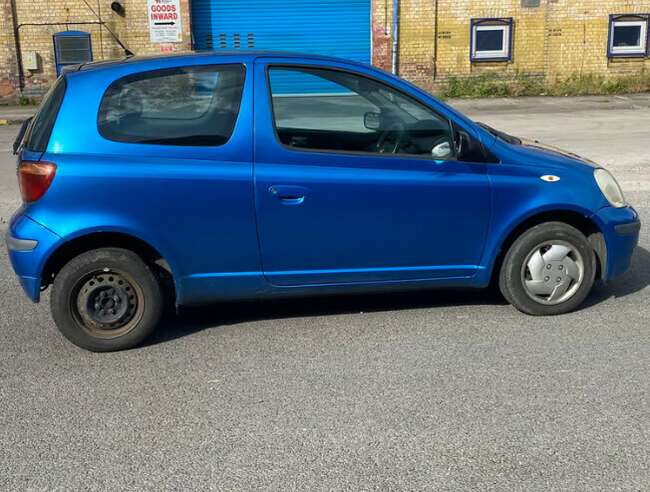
(635, 279)
(195, 319)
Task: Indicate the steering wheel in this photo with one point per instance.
(396, 127)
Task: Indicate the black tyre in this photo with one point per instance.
(106, 299)
(548, 270)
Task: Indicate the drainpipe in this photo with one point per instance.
(393, 51)
(435, 40)
(19, 57)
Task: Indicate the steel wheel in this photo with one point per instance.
(552, 272)
(107, 303)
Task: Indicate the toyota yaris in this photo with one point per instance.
(212, 177)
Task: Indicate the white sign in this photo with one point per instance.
(164, 21)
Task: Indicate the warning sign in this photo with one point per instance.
(164, 21)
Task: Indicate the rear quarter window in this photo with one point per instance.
(38, 134)
(190, 106)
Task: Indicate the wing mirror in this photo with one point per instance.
(372, 120)
(441, 151)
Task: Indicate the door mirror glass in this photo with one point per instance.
(372, 120)
(442, 151)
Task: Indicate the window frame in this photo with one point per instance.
(60, 66)
(623, 20)
(358, 153)
(171, 69)
(492, 24)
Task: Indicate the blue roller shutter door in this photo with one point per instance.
(328, 27)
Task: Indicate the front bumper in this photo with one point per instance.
(29, 245)
(620, 227)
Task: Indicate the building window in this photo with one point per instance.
(491, 40)
(71, 48)
(628, 36)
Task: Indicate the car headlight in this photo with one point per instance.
(610, 188)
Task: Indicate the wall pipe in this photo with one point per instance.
(395, 45)
(19, 58)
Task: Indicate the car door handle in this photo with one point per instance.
(289, 194)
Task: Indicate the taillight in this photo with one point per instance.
(34, 178)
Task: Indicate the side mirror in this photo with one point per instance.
(441, 151)
(372, 120)
(468, 148)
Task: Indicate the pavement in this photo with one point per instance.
(15, 115)
(437, 390)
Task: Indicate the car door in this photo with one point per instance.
(356, 181)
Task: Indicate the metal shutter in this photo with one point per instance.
(327, 27)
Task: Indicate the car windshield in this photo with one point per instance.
(499, 134)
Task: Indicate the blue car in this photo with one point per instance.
(209, 177)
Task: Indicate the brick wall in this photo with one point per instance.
(556, 39)
(381, 33)
(132, 29)
(7, 52)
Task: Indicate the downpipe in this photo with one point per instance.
(395, 29)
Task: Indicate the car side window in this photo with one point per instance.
(190, 106)
(332, 110)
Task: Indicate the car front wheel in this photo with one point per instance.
(106, 299)
(548, 270)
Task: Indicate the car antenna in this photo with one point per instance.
(127, 51)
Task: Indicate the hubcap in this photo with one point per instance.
(552, 272)
(107, 303)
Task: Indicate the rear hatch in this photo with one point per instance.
(35, 175)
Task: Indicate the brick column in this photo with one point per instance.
(8, 68)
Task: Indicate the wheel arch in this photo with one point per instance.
(581, 220)
(77, 245)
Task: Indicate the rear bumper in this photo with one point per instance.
(620, 227)
(29, 245)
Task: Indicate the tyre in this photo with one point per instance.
(106, 299)
(548, 270)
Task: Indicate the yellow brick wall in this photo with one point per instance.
(416, 35)
(557, 39)
(132, 29)
(580, 45)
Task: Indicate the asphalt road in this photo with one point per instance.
(435, 390)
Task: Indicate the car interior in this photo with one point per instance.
(193, 115)
(394, 124)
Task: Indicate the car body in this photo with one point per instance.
(270, 210)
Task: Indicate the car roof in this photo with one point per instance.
(208, 55)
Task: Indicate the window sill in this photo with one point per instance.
(495, 59)
(614, 56)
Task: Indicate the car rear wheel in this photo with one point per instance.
(106, 299)
(550, 269)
